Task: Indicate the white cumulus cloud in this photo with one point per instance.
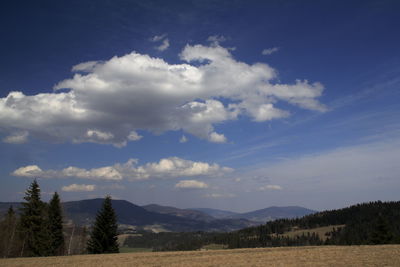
(191, 184)
(172, 167)
(105, 101)
(78, 188)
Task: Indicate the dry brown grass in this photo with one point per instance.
(387, 255)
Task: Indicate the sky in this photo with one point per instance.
(236, 105)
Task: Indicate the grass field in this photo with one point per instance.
(321, 231)
(386, 255)
(131, 250)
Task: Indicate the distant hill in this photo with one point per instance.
(83, 212)
(184, 213)
(273, 213)
(219, 214)
(362, 224)
(164, 218)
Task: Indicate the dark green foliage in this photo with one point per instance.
(33, 224)
(369, 223)
(381, 233)
(56, 237)
(103, 238)
(7, 232)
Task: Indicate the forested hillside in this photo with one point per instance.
(368, 223)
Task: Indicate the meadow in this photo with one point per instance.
(383, 255)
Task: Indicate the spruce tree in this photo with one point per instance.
(103, 237)
(33, 226)
(55, 226)
(381, 233)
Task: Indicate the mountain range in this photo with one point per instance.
(156, 218)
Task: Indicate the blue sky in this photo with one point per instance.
(235, 105)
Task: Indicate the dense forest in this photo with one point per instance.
(362, 224)
(38, 229)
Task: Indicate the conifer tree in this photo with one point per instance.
(55, 226)
(103, 237)
(381, 233)
(33, 226)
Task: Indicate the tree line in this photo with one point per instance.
(370, 223)
(39, 229)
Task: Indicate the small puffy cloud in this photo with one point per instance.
(79, 188)
(164, 46)
(134, 136)
(218, 195)
(105, 100)
(183, 139)
(270, 187)
(172, 167)
(217, 138)
(191, 184)
(165, 42)
(269, 51)
(16, 138)
(28, 171)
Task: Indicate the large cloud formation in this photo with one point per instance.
(108, 101)
(172, 167)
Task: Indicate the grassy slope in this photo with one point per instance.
(386, 255)
(321, 231)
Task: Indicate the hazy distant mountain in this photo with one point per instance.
(83, 212)
(185, 213)
(219, 214)
(273, 213)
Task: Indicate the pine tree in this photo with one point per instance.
(33, 226)
(381, 233)
(55, 226)
(103, 238)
